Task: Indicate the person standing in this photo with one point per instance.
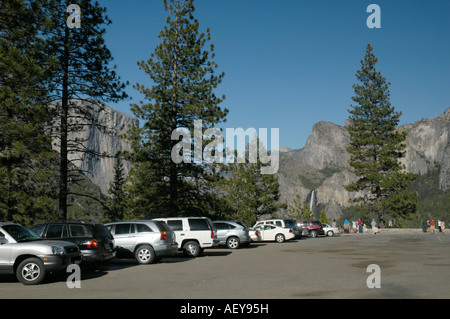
(346, 226)
(425, 226)
(374, 226)
(432, 226)
(360, 223)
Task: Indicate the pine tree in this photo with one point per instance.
(247, 192)
(323, 217)
(376, 147)
(182, 71)
(116, 208)
(300, 209)
(25, 152)
(84, 74)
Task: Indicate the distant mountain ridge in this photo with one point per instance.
(322, 165)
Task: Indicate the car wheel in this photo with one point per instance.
(31, 271)
(313, 233)
(279, 238)
(233, 243)
(330, 233)
(191, 249)
(145, 254)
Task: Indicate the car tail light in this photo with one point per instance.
(163, 235)
(92, 244)
(290, 230)
(212, 233)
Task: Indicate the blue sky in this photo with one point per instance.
(291, 63)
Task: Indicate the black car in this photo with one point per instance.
(94, 239)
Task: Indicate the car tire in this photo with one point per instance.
(31, 271)
(330, 233)
(145, 254)
(233, 243)
(191, 249)
(279, 238)
(313, 233)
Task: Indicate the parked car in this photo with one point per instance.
(313, 228)
(146, 240)
(28, 256)
(232, 234)
(287, 223)
(193, 234)
(254, 234)
(94, 240)
(270, 232)
(331, 230)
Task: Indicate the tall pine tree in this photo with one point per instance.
(25, 152)
(182, 71)
(84, 73)
(376, 147)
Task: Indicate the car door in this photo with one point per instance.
(269, 232)
(178, 229)
(5, 253)
(222, 231)
(124, 236)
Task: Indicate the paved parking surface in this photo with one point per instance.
(412, 265)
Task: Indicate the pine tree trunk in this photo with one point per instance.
(63, 189)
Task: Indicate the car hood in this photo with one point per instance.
(50, 242)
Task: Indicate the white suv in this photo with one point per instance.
(193, 233)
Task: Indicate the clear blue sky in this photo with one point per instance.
(291, 63)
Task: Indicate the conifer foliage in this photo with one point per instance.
(376, 147)
(182, 73)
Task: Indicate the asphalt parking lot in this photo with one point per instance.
(411, 265)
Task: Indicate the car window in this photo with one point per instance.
(240, 224)
(56, 231)
(142, 228)
(100, 231)
(290, 223)
(278, 223)
(163, 226)
(38, 229)
(198, 224)
(123, 229)
(223, 226)
(77, 231)
(20, 233)
(176, 224)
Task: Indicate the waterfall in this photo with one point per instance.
(311, 201)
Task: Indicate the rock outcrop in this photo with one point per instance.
(104, 139)
(322, 165)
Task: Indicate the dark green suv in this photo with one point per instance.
(94, 239)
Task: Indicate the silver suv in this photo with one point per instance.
(232, 234)
(193, 233)
(146, 240)
(28, 256)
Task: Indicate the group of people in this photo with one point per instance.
(430, 226)
(360, 227)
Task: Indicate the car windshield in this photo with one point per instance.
(20, 233)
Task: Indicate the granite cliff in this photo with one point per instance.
(104, 139)
(322, 165)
